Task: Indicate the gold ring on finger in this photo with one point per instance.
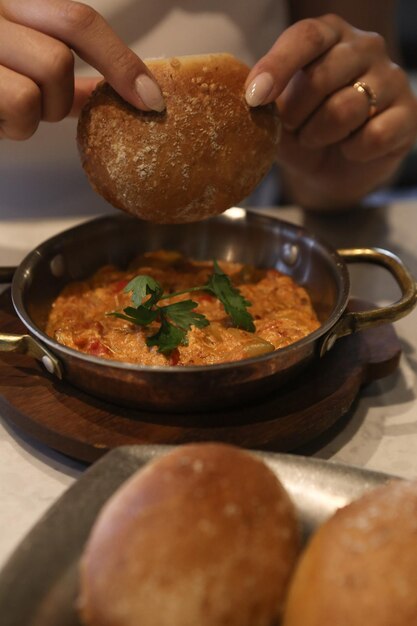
(364, 88)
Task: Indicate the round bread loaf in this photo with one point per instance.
(205, 153)
(361, 565)
(205, 535)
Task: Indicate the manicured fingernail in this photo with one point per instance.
(259, 89)
(149, 92)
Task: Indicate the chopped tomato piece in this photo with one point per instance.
(205, 297)
(121, 284)
(97, 348)
(80, 342)
(174, 357)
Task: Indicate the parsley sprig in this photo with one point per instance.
(175, 320)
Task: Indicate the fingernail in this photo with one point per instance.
(149, 92)
(259, 89)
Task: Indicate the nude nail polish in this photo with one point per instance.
(149, 93)
(259, 89)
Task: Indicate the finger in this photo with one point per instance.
(356, 54)
(20, 105)
(346, 110)
(48, 62)
(88, 34)
(289, 154)
(314, 83)
(390, 132)
(83, 88)
(297, 47)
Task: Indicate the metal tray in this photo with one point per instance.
(38, 585)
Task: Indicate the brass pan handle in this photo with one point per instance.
(352, 322)
(6, 275)
(25, 344)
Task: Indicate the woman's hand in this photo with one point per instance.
(37, 41)
(349, 115)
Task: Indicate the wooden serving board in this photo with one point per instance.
(83, 427)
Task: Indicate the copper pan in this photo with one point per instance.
(236, 235)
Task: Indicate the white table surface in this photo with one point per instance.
(381, 434)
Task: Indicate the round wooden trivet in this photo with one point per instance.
(84, 428)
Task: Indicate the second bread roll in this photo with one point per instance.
(205, 153)
(360, 568)
(203, 536)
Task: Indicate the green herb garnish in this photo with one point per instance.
(234, 303)
(176, 319)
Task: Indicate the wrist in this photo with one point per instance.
(336, 192)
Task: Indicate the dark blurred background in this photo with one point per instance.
(407, 35)
(407, 24)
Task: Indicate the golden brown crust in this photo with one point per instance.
(361, 566)
(205, 535)
(205, 153)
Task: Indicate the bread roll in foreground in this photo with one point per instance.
(202, 155)
(360, 568)
(203, 536)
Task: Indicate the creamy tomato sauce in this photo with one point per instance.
(281, 310)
